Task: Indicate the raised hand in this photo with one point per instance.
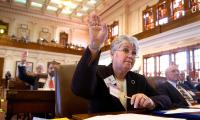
(98, 32)
(24, 56)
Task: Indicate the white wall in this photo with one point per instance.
(11, 55)
(36, 24)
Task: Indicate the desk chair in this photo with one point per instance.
(155, 81)
(67, 103)
(17, 84)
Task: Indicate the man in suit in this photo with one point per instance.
(172, 89)
(185, 83)
(39, 79)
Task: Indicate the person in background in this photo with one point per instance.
(50, 81)
(7, 77)
(113, 88)
(179, 96)
(41, 75)
(185, 83)
(33, 78)
(40, 68)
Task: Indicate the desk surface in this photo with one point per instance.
(84, 116)
(188, 116)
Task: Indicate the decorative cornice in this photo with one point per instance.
(46, 17)
(36, 46)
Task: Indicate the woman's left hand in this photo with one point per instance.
(140, 100)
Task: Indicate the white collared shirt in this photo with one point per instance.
(46, 85)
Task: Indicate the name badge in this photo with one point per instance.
(110, 81)
(114, 91)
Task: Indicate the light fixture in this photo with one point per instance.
(66, 11)
(2, 31)
(79, 14)
(84, 8)
(52, 8)
(34, 4)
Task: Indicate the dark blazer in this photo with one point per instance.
(177, 99)
(31, 80)
(88, 82)
(188, 86)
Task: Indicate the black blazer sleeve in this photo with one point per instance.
(84, 79)
(142, 86)
(161, 101)
(24, 77)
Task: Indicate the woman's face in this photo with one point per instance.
(124, 57)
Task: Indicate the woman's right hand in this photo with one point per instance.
(98, 32)
(24, 56)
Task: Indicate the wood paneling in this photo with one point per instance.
(1, 70)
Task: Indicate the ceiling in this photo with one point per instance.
(73, 10)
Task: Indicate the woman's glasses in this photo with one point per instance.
(127, 51)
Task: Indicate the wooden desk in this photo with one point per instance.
(197, 94)
(30, 101)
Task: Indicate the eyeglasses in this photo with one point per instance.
(175, 71)
(127, 51)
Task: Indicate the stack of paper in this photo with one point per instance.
(182, 110)
(37, 118)
(130, 116)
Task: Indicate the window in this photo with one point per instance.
(164, 63)
(113, 31)
(115, 28)
(150, 67)
(63, 38)
(187, 58)
(197, 60)
(157, 66)
(162, 14)
(148, 19)
(181, 60)
(195, 5)
(178, 9)
(166, 11)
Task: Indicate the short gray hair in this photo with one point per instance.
(117, 42)
(171, 66)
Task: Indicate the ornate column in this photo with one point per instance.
(12, 27)
(33, 31)
(53, 34)
(125, 17)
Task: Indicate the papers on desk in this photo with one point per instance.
(130, 116)
(182, 110)
(37, 118)
(197, 106)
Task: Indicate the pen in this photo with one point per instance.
(127, 97)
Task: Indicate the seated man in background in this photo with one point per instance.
(33, 78)
(41, 75)
(179, 96)
(186, 84)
